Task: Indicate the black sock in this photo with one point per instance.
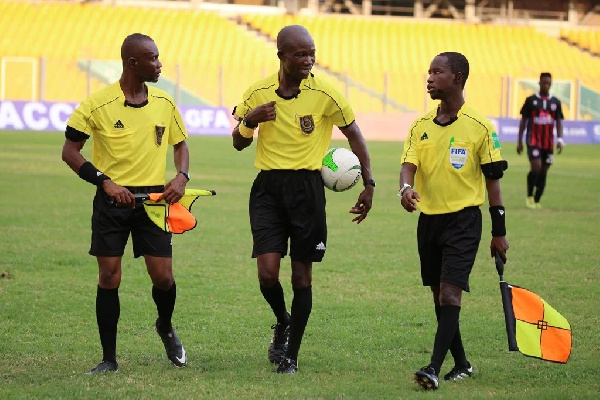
(301, 308)
(165, 304)
(540, 186)
(274, 296)
(531, 181)
(108, 310)
(456, 348)
(447, 325)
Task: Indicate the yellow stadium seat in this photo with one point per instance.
(372, 59)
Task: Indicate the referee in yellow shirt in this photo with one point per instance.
(131, 125)
(294, 111)
(454, 154)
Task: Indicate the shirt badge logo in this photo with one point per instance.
(307, 124)
(159, 131)
(495, 140)
(553, 107)
(458, 157)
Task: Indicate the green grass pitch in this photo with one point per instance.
(372, 324)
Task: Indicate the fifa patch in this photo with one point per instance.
(307, 124)
(159, 131)
(458, 157)
(496, 140)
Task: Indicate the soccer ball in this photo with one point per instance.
(340, 170)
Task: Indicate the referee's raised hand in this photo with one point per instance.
(263, 113)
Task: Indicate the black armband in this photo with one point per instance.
(495, 169)
(498, 224)
(90, 174)
(74, 135)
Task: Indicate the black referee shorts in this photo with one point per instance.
(111, 226)
(448, 244)
(289, 204)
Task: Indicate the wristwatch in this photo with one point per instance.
(403, 189)
(247, 124)
(186, 174)
(370, 182)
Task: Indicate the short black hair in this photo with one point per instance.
(457, 63)
(132, 41)
(545, 75)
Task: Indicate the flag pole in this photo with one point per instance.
(509, 316)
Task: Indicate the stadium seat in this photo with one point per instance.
(380, 62)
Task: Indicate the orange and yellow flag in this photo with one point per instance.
(175, 218)
(535, 328)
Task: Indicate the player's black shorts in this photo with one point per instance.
(111, 226)
(448, 244)
(289, 204)
(534, 152)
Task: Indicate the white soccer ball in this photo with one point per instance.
(341, 169)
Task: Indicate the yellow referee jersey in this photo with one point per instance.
(129, 144)
(300, 135)
(449, 158)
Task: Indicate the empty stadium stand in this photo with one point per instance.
(379, 62)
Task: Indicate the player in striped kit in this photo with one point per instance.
(538, 115)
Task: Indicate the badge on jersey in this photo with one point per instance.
(159, 131)
(458, 157)
(307, 124)
(495, 140)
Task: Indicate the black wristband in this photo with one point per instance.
(498, 220)
(90, 174)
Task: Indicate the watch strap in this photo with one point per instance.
(248, 125)
(186, 174)
(403, 189)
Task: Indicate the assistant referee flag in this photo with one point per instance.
(533, 327)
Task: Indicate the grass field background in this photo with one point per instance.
(372, 323)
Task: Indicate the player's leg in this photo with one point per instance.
(459, 236)
(301, 310)
(110, 232)
(431, 261)
(448, 325)
(270, 238)
(155, 245)
(548, 158)
(268, 266)
(305, 206)
(164, 294)
(461, 240)
(108, 311)
(456, 347)
(535, 162)
(268, 277)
